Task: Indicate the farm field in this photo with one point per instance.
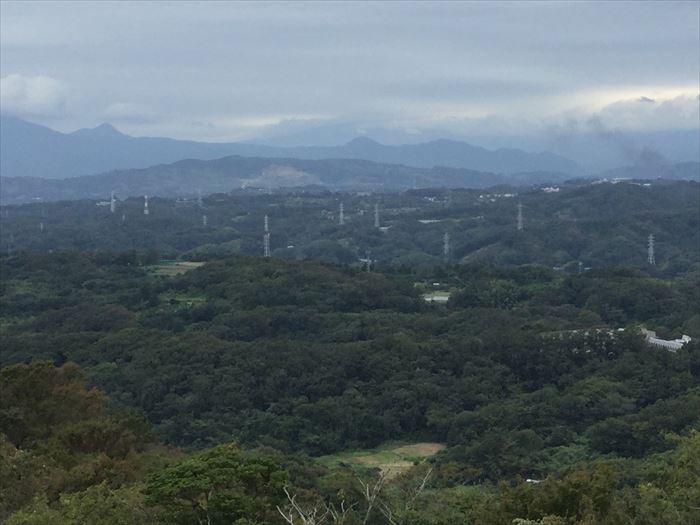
(391, 459)
(172, 268)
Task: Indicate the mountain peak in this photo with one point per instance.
(103, 130)
(106, 129)
(362, 141)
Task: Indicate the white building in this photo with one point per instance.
(671, 345)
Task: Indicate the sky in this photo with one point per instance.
(220, 71)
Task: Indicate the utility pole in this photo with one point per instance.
(376, 215)
(368, 256)
(341, 215)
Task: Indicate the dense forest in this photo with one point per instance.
(221, 387)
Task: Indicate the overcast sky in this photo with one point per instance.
(231, 71)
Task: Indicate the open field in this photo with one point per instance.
(172, 268)
(437, 297)
(392, 459)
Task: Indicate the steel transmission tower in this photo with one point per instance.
(145, 205)
(376, 215)
(341, 215)
(446, 245)
(651, 259)
(112, 203)
(266, 238)
(520, 217)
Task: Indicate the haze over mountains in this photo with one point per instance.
(28, 149)
(37, 151)
(38, 163)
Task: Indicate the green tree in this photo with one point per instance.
(220, 486)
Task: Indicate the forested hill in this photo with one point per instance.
(187, 177)
(596, 225)
(302, 356)
(220, 386)
(523, 374)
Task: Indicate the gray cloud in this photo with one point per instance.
(241, 69)
(129, 112)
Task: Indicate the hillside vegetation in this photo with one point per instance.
(597, 225)
(217, 387)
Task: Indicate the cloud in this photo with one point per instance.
(679, 112)
(129, 112)
(405, 65)
(32, 95)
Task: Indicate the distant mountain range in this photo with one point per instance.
(187, 177)
(31, 150)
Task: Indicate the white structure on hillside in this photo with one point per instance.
(671, 345)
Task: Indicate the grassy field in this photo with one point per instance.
(392, 459)
(171, 268)
(436, 297)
